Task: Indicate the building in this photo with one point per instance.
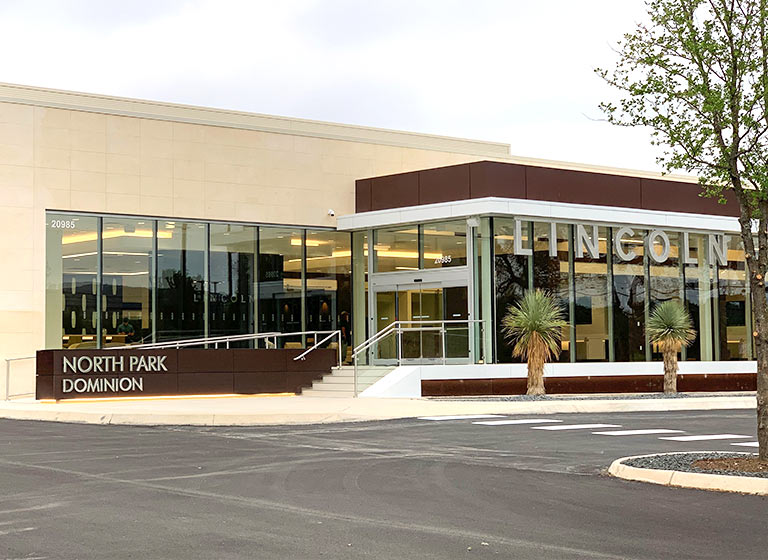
(127, 221)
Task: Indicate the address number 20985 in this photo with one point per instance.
(63, 224)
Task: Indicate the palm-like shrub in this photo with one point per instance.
(534, 328)
(671, 328)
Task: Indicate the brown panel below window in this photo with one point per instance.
(201, 360)
(588, 384)
(211, 383)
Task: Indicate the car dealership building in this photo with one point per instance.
(132, 222)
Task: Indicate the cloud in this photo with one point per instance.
(511, 71)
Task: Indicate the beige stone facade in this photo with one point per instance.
(81, 152)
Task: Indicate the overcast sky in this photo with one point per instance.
(513, 71)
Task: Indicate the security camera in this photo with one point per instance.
(331, 212)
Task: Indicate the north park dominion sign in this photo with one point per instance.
(115, 372)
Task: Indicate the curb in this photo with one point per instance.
(315, 410)
(680, 479)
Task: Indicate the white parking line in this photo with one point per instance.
(638, 432)
(519, 421)
(576, 426)
(461, 417)
(705, 438)
(748, 443)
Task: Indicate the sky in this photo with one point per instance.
(511, 71)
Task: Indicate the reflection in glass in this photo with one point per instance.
(733, 304)
(181, 278)
(511, 273)
(127, 280)
(280, 282)
(592, 300)
(629, 297)
(396, 249)
(665, 279)
(551, 273)
(329, 286)
(71, 281)
(445, 244)
(697, 276)
(231, 279)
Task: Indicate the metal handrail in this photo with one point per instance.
(303, 355)
(215, 340)
(397, 328)
(8, 376)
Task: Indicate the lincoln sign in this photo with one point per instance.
(587, 240)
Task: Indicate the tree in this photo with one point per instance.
(534, 327)
(670, 327)
(696, 75)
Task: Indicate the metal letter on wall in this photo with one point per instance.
(718, 248)
(687, 259)
(620, 233)
(553, 239)
(666, 246)
(519, 249)
(583, 240)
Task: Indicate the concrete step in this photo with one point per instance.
(341, 381)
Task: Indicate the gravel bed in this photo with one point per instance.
(683, 462)
(594, 397)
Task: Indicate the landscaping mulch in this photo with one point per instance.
(732, 464)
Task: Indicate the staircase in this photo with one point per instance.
(341, 382)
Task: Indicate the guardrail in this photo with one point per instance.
(8, 362)
(397, 329)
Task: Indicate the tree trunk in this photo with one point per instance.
(670, 370)
(757, 263)
(535, 378)
(760, 309)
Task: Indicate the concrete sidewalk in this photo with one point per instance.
(260, 410)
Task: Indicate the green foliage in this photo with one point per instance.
(670, 326)
(696, 76)
(534, 326)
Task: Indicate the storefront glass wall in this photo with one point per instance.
(181, 306)
(444, 244)
(329, 284)
(143, 280)
(511, 276)
(232, 279)
(629, 295)
(127, 280)
(72, 286)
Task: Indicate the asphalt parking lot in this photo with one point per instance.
(511, 487)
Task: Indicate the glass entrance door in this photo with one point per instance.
(422, 308)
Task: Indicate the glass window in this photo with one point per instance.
(551, 273)
(734, 332)
(445, 244)
(396, 249)
(126, 290)
(181, 277)
(511, 274)
(697, 277)
(592, 304)
(329, 286)
(665, 279)
(629, 294)
(71, 262)
(280, 282)
(231, 279)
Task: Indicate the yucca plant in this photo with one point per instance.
(671, 328)
(534, 328)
